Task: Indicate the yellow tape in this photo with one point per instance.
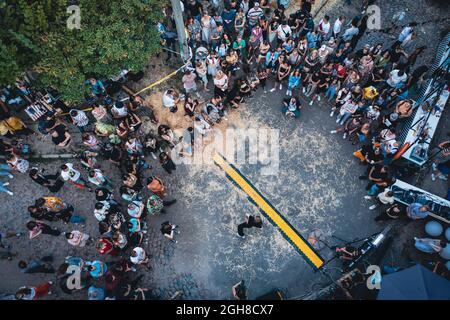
(65, 114)
(292, 234)
(157, 82)
(161, 80)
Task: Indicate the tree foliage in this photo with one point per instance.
(114, 35)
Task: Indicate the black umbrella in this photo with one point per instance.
(415, 283)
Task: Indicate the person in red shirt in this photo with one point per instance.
(106, 246)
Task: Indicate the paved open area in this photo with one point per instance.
(315, 188)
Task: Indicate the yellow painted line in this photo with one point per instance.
(294, 237)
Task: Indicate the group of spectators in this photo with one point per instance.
(242, 48)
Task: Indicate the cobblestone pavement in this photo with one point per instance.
(316, 188)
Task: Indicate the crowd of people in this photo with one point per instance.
(243, 48)
(255, 46)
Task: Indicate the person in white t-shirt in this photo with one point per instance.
(170, 100)
(138, 256)
(283, 32)
(407, 34)
(324, 28)
(397, 78)
(337, 27)
(382, 199)
(119, 110)
(69, 173)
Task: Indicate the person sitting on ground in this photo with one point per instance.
(382, 199)
(395, 211)
(170, 100)
(61, 136)
(291, 107)
(169, 230)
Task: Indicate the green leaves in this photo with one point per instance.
(114, 35)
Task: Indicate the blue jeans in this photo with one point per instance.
(331, 92)
(5, 170)
(3, 188)
(343, 118)
(76, 219)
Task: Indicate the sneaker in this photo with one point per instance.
(311, 103)
(337, 120)
(367, 197)
(372, 207)
(303, 90)
(10, 176)
(265, 91)
(281, 86)
(154, 156)
(333, 131)
(443, 177)
(344, 136)
(272, 90)
(318, 98)
(6, 183)
(332, 113)
(434, 166)
(176, 241)
(10, 193)
(433, 177)
(241, 236)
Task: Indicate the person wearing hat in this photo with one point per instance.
(254, 14)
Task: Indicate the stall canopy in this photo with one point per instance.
(415, 283)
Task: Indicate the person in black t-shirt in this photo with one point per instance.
(194, 9)
(378, 175)
(250, 222)
(60, 136)
(373, 157)
(46, 180)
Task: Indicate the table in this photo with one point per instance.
(438, 205)
(420, 124)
